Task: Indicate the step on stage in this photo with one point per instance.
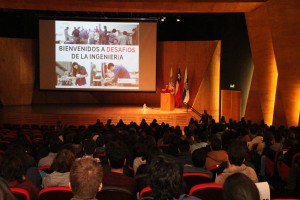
(88, 114)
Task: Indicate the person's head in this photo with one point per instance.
(278, 137)
(184, 146)
(114, 30)
(199, 157)
(236, 153)
(202, 136)
(111, 66)
(63, 161)
(238, 186)
(124, 32)
(166, 180)
(75, 65)
(86, 178)
(216, 143)
(89, 146)
(12, 168)
(5, 192)
(55, 144)
(100, 142)
(116, 157)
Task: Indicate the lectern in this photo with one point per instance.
(167, 101)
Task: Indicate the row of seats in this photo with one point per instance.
(204, 191)
(65, 193)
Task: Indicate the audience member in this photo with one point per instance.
(85, 178)
(238, 186)
(217, 155)
(61, 165)
(13, 171)
(117, 159)
(236, 156)
(184, 156)
(201, 140)
(5, 193)
(198, 158)
(166, 180)
(89, 148)
(55, 145)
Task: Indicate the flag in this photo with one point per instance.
(178, 90)
(171, 77)
(171, 86)
(186, 91)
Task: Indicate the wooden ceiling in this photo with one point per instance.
(149, 6)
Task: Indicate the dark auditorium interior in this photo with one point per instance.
(242, 61)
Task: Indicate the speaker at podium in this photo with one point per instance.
(167, 101)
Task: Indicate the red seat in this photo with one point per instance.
(115, 192)
(20, 193)
(270, 164)
(194, 178)
(284, 169)
(46, 168)
(145, 192)
(58, 192)
(213, 169)
(207, 191)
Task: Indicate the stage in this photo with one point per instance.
(88, 114)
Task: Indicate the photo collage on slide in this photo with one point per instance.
(97, 55)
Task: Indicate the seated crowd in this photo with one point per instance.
(134, 156)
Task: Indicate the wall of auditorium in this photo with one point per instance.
(20, 78)
(275, 45)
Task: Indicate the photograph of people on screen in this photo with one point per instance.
(117, 74)
(96, 33)
(70, 74)
(96, 75)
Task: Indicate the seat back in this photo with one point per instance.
(207, 191)
(46, 168)
(20, 193)
(145, 192)
(194, 178)
(213, 169)
(271, 164)
(141, 181)
(115, 192)
(56, 192)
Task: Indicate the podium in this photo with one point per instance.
(167, 101)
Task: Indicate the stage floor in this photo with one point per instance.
(88, 114)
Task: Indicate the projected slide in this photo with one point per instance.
(96, 55)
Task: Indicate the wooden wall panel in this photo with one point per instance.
(208, 95)
(275, 43)
(265, 69)
(17, 71)
(284, 19)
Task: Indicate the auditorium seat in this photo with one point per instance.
(271, 164)
(207, 191)
(115, 192)
(145, 192)
(194, 178)
(20, 193)
(56, 192)
(284, 169)
(46, 168)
